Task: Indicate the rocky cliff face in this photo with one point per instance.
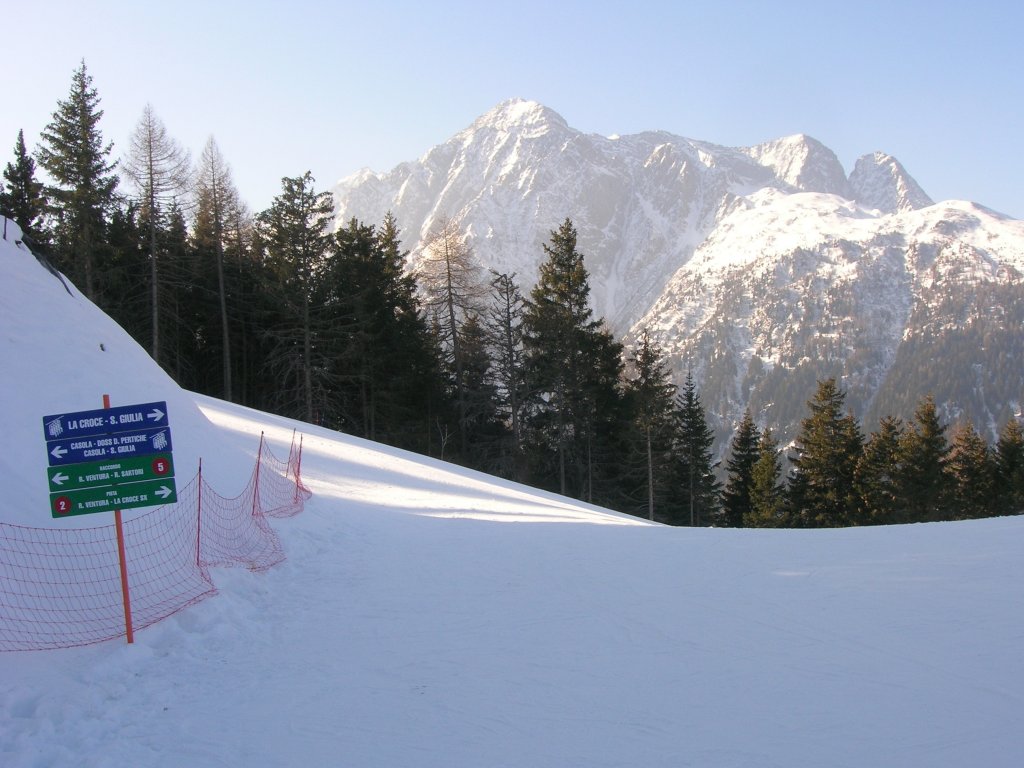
(761, 269)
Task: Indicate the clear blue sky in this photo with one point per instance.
(332, 86)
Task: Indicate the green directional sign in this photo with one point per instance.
(84, 501)
(109, 459)
(93, 474)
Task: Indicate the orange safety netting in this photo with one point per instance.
(62, 588)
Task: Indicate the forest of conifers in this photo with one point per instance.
(285, 312)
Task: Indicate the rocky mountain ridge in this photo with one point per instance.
(760, 269)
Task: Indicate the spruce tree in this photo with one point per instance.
(77, 160)
(650, 398)
(971, 474)
(699, 486)
(385, 382)
(415, 393)
(179, 341)
(877, 472)
(295, 231)
(828, 448)
(767, 495)
(1009, 469)
(922, 480)
(22, 198)
(743, 454)
(479, 412)
(573, 371)
(604, 419)
(504, 321)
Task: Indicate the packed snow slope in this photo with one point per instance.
(431, 616)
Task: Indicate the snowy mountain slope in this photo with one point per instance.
(767, 306)
(804, 163)
(879, 181)
(430, 616)
(767, 258)
(641, 203)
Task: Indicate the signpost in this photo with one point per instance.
(109, 459)
(137, 442)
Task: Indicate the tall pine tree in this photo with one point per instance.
(384, 376)
(1009, 469)
(650, 399)
(922, 482)
(82, 195)
(698, 483)
(22, 198)
(743, 456)
(828, 448)
(572, 370)
(971, 474)
(767, 494)
(504, 322)
(877, 473)
(295, 231)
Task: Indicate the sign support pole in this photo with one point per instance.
(125, 594)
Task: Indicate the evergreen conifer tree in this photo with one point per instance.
(573, 371)
(604, 419)
(295, 231)
(77, 160)
(505, 329)
(650, 397)
(971, 474)
(877, 472)
(743, 455)
(1009, 469)
(178, 349)
(386, 385)
(699, 486)
(922, 478)
(828, 448)
(22, 198)
(482, 426)
(767, 496)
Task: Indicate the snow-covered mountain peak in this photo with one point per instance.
(880, 181)
(520, 115)
(804, 163)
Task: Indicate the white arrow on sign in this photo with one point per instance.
(58, 452)
(163, 491)
(156, 414)
(59, 478)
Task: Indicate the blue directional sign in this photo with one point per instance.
(109, 459)
(101, 421)
(117, 445)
